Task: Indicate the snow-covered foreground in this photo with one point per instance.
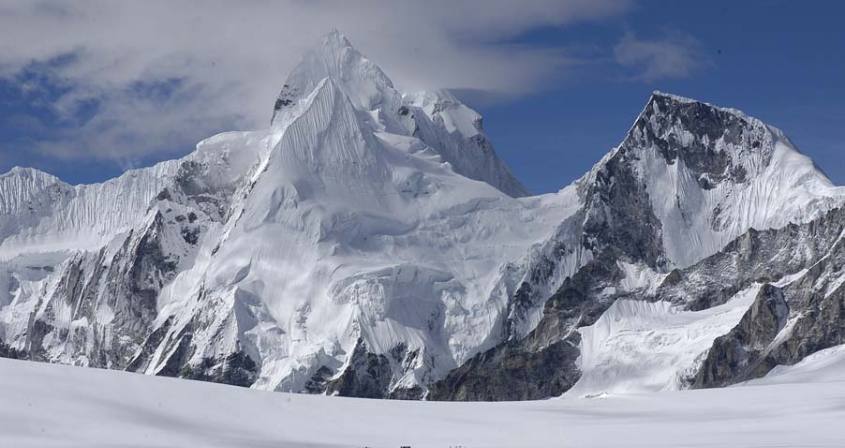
(50, 405)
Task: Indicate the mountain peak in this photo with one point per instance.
(335, 39)
(678, 125)
(706, 169)
(706, 119)
(437, 119)
(334, 57)
(30, 173)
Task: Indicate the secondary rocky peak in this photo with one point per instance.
(699, 118)
(714, 143)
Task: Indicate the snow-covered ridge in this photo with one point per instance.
(41, 213)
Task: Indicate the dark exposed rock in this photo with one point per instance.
(510, 372)
(319, 382)
(663, 119)
(740, 354)
(142, 358)
(367, 375)
(412, 393)
(197, 189)
(755, 256)
(11, 353)
(619, 214)
(287, 97)
(190, 235)
(784, 323)
(127, 283)
(236, 369)
(239, 370)
(164, 195)
(180, 351)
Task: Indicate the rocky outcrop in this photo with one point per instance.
(754, 257)
(11, 353)
(237, 369)
(512, 371)
(741, 354)
(367, 375)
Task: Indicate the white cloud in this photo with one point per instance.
(674, 56)
(228, 58)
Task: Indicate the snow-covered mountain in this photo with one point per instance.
(371, 243)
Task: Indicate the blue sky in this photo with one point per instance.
(780, 61)
(558, 83)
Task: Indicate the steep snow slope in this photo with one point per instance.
(81, 278)
(61, 406)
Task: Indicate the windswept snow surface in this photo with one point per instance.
(62, 406)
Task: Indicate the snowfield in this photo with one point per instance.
(60, 406)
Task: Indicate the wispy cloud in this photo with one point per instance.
(675, 55)
(140, 78)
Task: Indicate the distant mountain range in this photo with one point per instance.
(371, 243)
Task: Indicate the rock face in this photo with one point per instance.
(370, 243)
(736, 355)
